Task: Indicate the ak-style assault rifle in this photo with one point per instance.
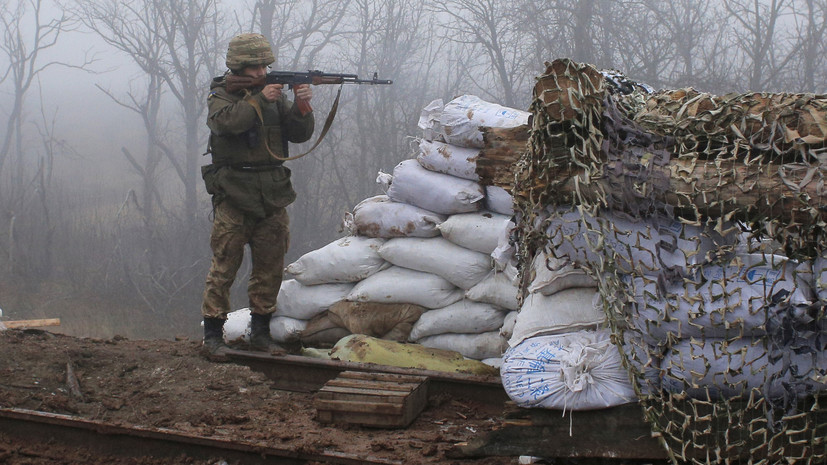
(234, 83)
(293, 78)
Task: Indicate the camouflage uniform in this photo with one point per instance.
(250, 188)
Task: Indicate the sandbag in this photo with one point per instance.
(345, 260)
(436, 192)
(463, 116)
(460, 266)
(739, 299)
(448, 159)
(566, 311)
(322, 331)
(507, 329)
(366, 349)
(464, 317)
(637, 246)
(237, 326)
(479, 231)
(499, 200)
(581, 370)
(722, 369)
(381, 217)
(550, 275)
(429, 121)
(285, 330)
(475, 346)
(385, 321)
(403, 285)
(304, 302)
(497, 289)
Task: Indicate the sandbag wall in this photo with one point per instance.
(706, 253)
(418, 265)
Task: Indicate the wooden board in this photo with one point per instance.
(21, 324)
(371, 399)
(612, 433)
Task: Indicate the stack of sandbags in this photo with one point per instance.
(441, 227)
(418, 264)
(561, 355)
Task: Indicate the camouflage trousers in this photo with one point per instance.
(268, 239)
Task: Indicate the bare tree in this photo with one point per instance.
(811, 32)
(487, 26)
(28, 31)
(757, 37)
(191, 32)
(299, 29)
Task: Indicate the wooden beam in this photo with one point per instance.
(21, 324)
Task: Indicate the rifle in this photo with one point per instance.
(294, 78)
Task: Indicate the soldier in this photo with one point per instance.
(250, 188)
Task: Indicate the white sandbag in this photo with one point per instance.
(495, 362)
(478, 231)
(429, 120)
(499, 200)
(727, 368)
(462, 267)
(304, 302)
(506, 251)
(497, 289)
(436, 192)
(284, 329)
(237, 326)
(507, 329)
(475, 346)
(550, 275)
(381, 217)
(639, 246)
(740, 299)
(463, 117)
(403, 285)
(449, 159)
(345, 260)
(463, 317)
(580, 370)
(563, 312)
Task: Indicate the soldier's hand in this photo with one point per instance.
(272, 92)
(303, 92)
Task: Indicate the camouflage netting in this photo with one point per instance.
(702, 219)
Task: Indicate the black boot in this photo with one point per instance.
(260, 339)
(214, 347)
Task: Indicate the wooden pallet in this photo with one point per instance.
(380, 400)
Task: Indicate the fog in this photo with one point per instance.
(104, 220)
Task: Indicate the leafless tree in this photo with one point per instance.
(486, 27)
(763, 52)
(299, 30)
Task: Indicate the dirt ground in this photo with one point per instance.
(168, 384)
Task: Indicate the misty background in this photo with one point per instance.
(104, 220)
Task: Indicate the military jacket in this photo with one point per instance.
(244, 129)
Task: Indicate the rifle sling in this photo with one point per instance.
(328, 122)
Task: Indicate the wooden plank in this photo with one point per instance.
(366, 391)
(386, 377)
(616, 433)
(20, 324)
(359, 406)
(381, 385)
